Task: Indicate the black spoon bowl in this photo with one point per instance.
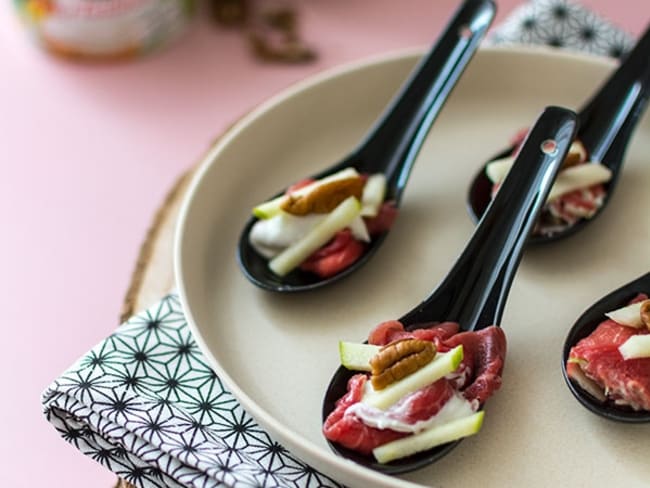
(607, 123)
(475, 290)
(393, 143)
(584, 326)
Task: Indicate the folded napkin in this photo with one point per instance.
(144, 402)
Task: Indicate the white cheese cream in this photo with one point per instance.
(455, 408)
(271, 236)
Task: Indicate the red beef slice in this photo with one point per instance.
(484, 354)
(350, 432)
(626, 382)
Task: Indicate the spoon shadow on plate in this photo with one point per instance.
(583, 327)
(475, 290)
(606, 125)
(392, 145)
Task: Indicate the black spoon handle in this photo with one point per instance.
(397, 136)
(609, 118)
(475, 290)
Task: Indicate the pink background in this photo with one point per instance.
(87, 154)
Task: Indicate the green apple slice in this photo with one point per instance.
(579, 176)
(356, 356)
(497, 170)
(359, 229)
(568, 180)
(273, 207)
(336, 220)
(448, 432)
(637, 346)
(374, 193)
(441, 365)
(269, 209)
(629, 315)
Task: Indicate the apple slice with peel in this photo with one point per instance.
(338, 219)
(497, 170)
(579, 176)
(575, 372)
(374, 193)
(629, 315)
(568, 180)
(359, 229)
(356, 356)
(441, 365)
(272, 207)
(427, 439)
(637, 346)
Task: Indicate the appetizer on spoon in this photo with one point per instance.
(327, 226)
(595, 159)
(606, 357)
(432, 370)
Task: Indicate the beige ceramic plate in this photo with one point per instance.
(277, 353)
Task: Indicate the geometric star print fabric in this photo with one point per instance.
(562, 24)
(145, 404)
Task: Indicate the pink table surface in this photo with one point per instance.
(89, 151)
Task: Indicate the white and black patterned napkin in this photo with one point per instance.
(562, 24)
(144, 402)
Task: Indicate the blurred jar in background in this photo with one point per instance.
(105, 29)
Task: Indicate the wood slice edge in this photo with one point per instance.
(164, 220)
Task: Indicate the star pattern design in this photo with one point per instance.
(562, 24)
(145, 404)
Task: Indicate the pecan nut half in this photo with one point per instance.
(645, 313)
(324, 198)
(400, 359)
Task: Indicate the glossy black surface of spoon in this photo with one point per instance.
(607, 122)
(584, 326)
(393, 143)
(475, 290)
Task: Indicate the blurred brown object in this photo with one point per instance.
(275, 37)
(272, 29)
(230, 12)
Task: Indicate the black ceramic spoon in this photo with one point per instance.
(475, 290)
(585, 325)
(607, 122)
(393, 143)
